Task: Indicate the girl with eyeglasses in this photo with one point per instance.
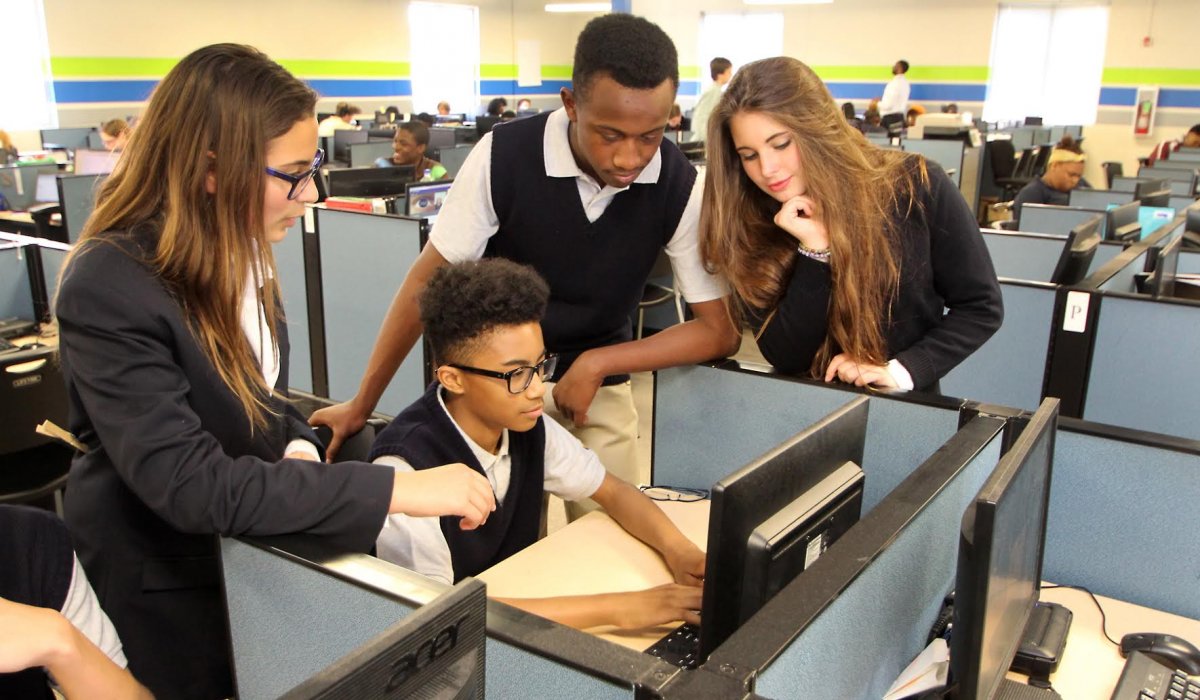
(175, 353)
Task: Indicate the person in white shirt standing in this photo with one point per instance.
(721, 70)
(895, 94)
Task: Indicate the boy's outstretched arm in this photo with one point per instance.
(635, 512)
(627, 610)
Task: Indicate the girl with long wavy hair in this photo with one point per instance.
(854, 263)
(175, 354)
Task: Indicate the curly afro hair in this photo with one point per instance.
(465, 301)
(631, 50)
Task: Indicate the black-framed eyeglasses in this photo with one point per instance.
(518, 378)
(674, 493)
(300, 182)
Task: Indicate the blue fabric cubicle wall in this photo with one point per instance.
(16, 298)
(364, 258)
(1144, 366)
(289, 265)
(710, 421)
(1022, 255)
(78, 199)
(946, 153)
(1189, 262)
(859, 644)
(1009, 369)
(1123, 519)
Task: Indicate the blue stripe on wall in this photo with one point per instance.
(327, 87)
(1117, 97)
(1167, 97)
(75, 91)
(931, 92)
(510, 87)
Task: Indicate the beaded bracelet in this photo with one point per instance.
(818, 255)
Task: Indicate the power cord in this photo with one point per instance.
(1103, 618)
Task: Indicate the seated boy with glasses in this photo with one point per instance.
(482, 320)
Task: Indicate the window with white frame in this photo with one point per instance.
(741, 37)
(1046, 61)
(28, 102)
(444, 50)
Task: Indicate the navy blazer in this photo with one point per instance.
(173, 462)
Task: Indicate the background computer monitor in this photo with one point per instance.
(1077, 253)
(1000, 560)
(425, 199)
(748, 499)
(441, 137)
(369, 182)
(1122, 224)
(47, 188)
(342, 138)
(1156, 198)
(484, 124)
(69, 138)
(437, 651)
(451, 118)
(1165, 260)
(94, 162)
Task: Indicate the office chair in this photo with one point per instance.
(1040, 160)
(1009, 172)
(654, 294)
(1112, 169)
(33, 467)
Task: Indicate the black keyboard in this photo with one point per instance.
(680, 648)
(1145, 678)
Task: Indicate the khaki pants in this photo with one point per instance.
(611, 432)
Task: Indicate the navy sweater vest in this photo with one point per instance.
(36, 565)
(424, 436)
(596, 270)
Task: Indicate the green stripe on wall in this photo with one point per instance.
(508, 71)
(1151, 76)
(689, 72)
(966, 74)
(128, 67)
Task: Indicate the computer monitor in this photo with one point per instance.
(369, 182)
(342, 138)
(1165, 262)
(47, 189)
(1000, 560)
(68, 138)
(451, 118)
(484, 124)
(437, 651)
(1153, 198)
(1033, 121)
(1121, 223)
(94, 162)
(1077, 253)
(441, 137)
(770, 519)
(424, 199)
(1098, 199)
(382, 118)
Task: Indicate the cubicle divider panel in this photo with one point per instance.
(513, 672)
(453, 158)
(1144, 366)
(1024, 256)
(1053, 219)
(364, 155)
(946, 153)
(710, 421)
(16, 297)
(1010, 367)
(287, 621)
(293, 286)
(869, 633)
(54, 254)
(1123, 520)
(1189, 262)
(78, 199)
(1123, 280)
(364, 258)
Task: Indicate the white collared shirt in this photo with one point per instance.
(570, 471)
(468, 217)
(895, 96)
(266, 350)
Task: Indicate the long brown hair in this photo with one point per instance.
(210, 117)
(858, 189)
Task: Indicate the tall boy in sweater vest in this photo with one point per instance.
(482, 320)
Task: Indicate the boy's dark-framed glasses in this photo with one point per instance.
(300, 182)
(518, 378)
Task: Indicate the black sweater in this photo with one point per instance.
(948, 303)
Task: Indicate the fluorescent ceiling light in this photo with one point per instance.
(579, 7)
(788, 2)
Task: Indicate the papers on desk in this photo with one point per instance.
(928, 671)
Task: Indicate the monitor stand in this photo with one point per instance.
(1013, 690)
(1043, 642)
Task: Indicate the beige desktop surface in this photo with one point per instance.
(595, 555)
(1091, 665)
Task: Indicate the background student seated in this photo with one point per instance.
(482, 320)
(1164, 150)
(408, 146)
(342, 118)
(1064, 172)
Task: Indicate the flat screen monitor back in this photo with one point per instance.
(69, 138)
(1166, 265)
(369, 182)
(342, 138)
(748, 497)
(438, 651)
(1000, 559)
(1077, 253)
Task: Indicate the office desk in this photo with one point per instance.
(1091, 665)
(17, 222)
(595, 555)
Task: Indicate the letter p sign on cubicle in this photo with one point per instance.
(1076, 312)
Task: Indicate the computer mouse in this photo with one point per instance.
(1173, 651)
